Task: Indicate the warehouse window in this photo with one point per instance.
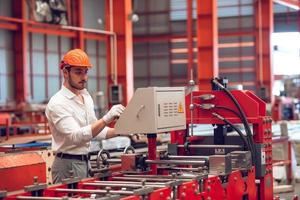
(235, 8)
(178, 10)
(225, 8)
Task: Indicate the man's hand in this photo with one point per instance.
(113, 113)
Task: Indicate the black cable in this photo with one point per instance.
(243, 116)
(250, 147)
(236, 129)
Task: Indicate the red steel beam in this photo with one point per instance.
(20, 48)
(294, 4)
(264, 29)
(9, 26)
(50, 31)
(123, 29)
(207, 42)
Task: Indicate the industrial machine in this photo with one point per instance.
(230, 163)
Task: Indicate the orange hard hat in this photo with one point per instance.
(75, 57)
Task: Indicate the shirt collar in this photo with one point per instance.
(69, 94)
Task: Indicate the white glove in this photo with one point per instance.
(113, 113)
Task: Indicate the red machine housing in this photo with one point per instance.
(255, 111)
(19, 170)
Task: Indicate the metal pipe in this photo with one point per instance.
(90, 30)
(177, 162)
(166, 179)
(113, 160)
(210, 146)
(42, 198)
(181, 168)
(188, 157)
(86, 191)
(130, 182)
(116, 184)
(169, 177)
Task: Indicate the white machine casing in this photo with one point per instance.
(153, 110)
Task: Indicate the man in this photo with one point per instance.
(72, 120)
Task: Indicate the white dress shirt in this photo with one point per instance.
(70, 122)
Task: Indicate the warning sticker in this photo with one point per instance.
(180, 108)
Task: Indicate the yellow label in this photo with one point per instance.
(180, 108)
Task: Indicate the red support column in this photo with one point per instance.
(152, 151)
(264, 29)
(20, 47)
(207, 42)
(78, 21)
(122, 26)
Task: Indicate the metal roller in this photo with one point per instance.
(177, 162)
(210, 146)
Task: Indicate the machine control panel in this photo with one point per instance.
(154, 110)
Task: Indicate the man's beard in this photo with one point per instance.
(79, 86)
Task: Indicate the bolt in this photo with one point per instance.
(35, 180)
(183, 195)
(270, 120)
(161, 194)
(208, 188)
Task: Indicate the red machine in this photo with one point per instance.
(216, 167)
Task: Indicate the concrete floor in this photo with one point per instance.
(290, 195)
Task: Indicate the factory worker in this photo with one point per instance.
(72, 121)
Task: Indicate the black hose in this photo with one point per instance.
(243, 117)
(236, 129)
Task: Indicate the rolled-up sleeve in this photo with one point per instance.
(65, 123)
(103, 132)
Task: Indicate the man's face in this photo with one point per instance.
(77, 77)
